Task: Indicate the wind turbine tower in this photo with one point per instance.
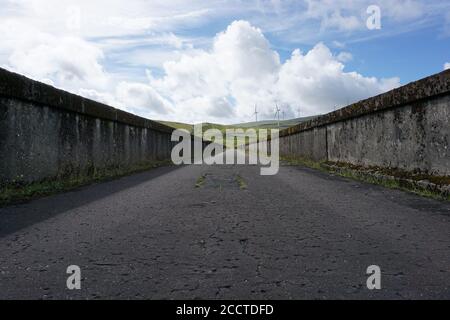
(256, 112)
(277, 114)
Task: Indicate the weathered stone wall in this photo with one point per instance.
(309, 144)
(407, 128)
(46, 133)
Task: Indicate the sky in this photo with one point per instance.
(214, 61)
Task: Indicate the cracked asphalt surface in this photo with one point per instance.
(301, 234)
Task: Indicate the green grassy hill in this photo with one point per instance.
(177, 125)
(265, 124)
(272, 124)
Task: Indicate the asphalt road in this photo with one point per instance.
(301, 234)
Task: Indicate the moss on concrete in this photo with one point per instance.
(416, 175)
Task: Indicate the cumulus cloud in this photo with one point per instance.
(141, 98)
(74, 64)
(239, 65)
(103, 97)
(447, 66)
(69, 62)
(316, 81)
(66, 61)
(242, 70)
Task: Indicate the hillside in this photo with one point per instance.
(265, 124)
(273, 124)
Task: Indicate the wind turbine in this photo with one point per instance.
(256, 113)
(277, 114)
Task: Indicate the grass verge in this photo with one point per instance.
(424, 185)
(13, 193)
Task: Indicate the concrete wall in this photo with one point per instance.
(407, 128)
(46, 133)
(309, 144)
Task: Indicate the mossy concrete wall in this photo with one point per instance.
(46, 133)
(407, 128)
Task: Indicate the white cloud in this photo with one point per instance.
(69, 62)
(403, 10)
(338, 44)
(141, 99)
(344, 56)
(340, 22)
(76, 65)
(447, 66)
(317, 83)
(223, 81)
(66, 61)
(330, 14)
(245, 51)
(241, 69)
(310, 21)
(103, 97)
(103, 18)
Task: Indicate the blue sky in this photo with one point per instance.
(195, 61)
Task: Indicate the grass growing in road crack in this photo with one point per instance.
(200, 181)
(241, 182)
